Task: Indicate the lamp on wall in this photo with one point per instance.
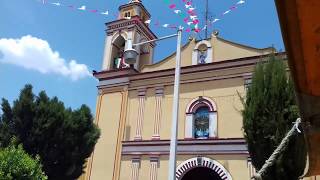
(130, 55)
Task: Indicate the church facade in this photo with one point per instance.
(134, 106)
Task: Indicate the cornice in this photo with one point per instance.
(136, 80)
(227, 146)
(135, 21)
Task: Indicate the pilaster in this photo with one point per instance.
(135, 166)
(158, 110)
(139, 123)
(154, 163)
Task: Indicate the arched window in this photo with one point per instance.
(202, 53)
(201, 119)
(201, 123)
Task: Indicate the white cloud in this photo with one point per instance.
(35, 54)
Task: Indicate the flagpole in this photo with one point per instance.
(175, 112)
(206, 25)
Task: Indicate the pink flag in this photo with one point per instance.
(191, 13)
(93, 11)
(186, 19)
(157, 23)
(233, 7)
(196, 21)
(188, 30)
(172, 6)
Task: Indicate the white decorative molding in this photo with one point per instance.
(189, 126)
(196, 51)
(207, 43)
(191, 109)
(122, 33)
(107, 53)
(213, 123)
(192, 163)
(208, 101)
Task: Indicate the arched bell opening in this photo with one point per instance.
(118, 47)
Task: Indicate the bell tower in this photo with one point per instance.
(131, 24)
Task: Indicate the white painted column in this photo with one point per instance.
(194, 57)
(154, 161)
(158, 111)
(135, 166)
(189, 130)
(213, 124)
(106, 65)
(137, 48)
(209, 55)
(139, 122)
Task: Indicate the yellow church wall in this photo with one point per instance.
(222, 92)
(144, 172)
(105, 149)
(132, 115)
(125, 170)
(224, 50)
(236, 165)
(228, 105)
(169, 62)
(217, 81)
(148, 124)
(312, 178)
(129, 9)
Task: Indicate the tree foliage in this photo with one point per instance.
(16, 164)
(269, 112)
(62, 137)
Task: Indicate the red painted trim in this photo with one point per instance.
(188, 153)
(240, 62)
(210, 141)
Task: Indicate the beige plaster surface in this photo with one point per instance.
(108, 121)
(222, 50)
(236, 165)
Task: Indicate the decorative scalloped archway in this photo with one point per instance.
(192, 163)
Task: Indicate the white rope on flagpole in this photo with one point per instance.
(280, 149)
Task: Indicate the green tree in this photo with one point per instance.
(269, 112)
(16, 164)
(62, 137)
(5, 123)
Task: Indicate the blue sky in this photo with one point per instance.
(72, 41)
